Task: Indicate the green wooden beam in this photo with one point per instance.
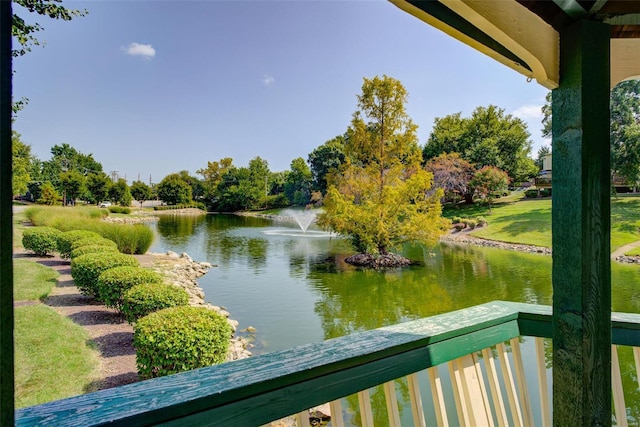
(581, 229)
(6, 233)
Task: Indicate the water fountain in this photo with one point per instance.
(303, 218)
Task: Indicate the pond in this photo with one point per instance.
(295, 288)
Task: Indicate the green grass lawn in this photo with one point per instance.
(32, 281)
(519, 220)
(52, 357)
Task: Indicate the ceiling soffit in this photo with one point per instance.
(524, 34)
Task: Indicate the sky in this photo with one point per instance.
(152, 87)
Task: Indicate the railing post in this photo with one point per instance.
(581, 235)
(6, 232)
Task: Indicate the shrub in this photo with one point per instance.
(545, 192)
(459, 226)
(131, 239)
(531, 194)
(146, 298)
(179, 339)
(86, 269)
(471, 223)
(93, 241)
(92, 249)
(113, 282)
(120, 209)
(41, 240)
(456, 220)
(195, 205)
(481, 221)
(66, 239)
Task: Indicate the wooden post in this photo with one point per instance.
(6, 233)
(581, 229)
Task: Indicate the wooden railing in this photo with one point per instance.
(474, 353)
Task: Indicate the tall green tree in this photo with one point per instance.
(488, 138)
(48, 195)
(298, 181)
(173, 190)
(326, 159)
(98, 186)
(380, 199)
(140, 191)
(120, 193)
(72, 185)
(212, 176)
(21, 164)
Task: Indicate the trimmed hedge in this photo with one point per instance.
(194, 205)
(113, 282)
(41, 240)
(93, 241)
(146, 298)
(92, 249)
(66, 239)
(179, 339)
(120, 209)
(86, 269)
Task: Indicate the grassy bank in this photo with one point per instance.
(528, 221)
(52, 357)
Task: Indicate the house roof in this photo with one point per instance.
(524, 34)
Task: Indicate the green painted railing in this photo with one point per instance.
(255, 391)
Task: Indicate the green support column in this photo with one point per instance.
(6, 234)
(581, 229)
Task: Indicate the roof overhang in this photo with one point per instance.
(525, 34)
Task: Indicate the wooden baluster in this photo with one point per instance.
(458, 397)
(302, 419)
(636, 357)
(392, 403)
(523, 390)
(545, 407)
(366, 414)
(616, 386)
(509, 384)
(437, 396)
(336, 413)
(494, 388)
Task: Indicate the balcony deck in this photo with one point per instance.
(261, 389)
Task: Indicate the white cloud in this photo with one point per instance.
(268, 80)
(528, 112)
(137, 49)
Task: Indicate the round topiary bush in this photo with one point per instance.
(66, 239)
(113, 282)
(41, 240)
(146, 298)
(93, 241)
(179, 339)
(86, 269)
(92, 249)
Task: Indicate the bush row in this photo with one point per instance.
(169, 335)
(461, 223)
(196, 205)
(542, 192)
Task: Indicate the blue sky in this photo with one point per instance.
(155, 87)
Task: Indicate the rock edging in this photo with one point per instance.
(183, 271)
(462, 237)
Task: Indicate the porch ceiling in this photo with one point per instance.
(524, 34)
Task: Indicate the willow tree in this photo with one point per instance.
(381, 196)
